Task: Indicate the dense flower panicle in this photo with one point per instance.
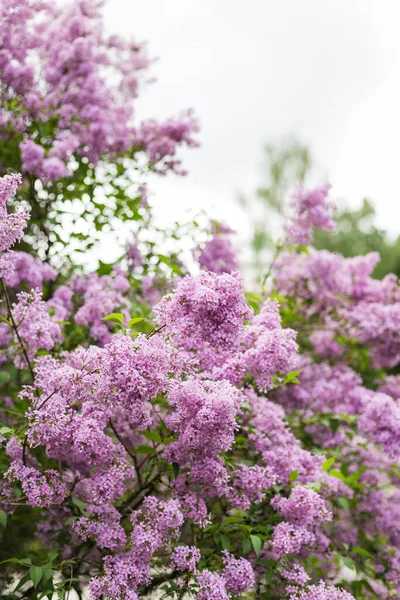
(332, 388)
(205, 473)
(12, 224)
(160, 140)
(312, 211)
(304, 506)
(194, 507)
(218, 255)
(380, 421)
(103, 526)
(42, 488)
(205, 314)
(271, 349)
(390, 386)
(266, 351)
(32, 271)
(36, 328)
(138, 371)
(121, 378)
(122, 576)
(212, 586)
(277, 445)
(336, 389)
(108, 483)
(249, 485)
(295, 573)
(347, 301)
(7, 499)
(204, 418)
(157, 523)
(164, 517)
(375, 325)
(321, 592)
(238, 574)
(8, 187)
(185, 558)
(289, 539)
(304, 512)
(330, 280)
(6, 266)
(61, 303)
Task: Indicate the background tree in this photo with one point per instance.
(285, 163)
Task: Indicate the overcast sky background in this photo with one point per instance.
(325, 71)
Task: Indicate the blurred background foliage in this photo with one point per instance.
(289, 161)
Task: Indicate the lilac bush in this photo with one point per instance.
(164, 431)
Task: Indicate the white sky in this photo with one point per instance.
(327, 71)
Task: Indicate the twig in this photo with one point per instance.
(24, 352)
(154, 331)
(274, 257)
(15, 327)
(131, 454)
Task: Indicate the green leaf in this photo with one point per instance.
(253, 296)
(143, 449)
(19, 561)
(354, 477)
(292, 377)
(344, 503)
(3, 518)
(104, 268)
(293, 475)
(79, 503)
(53, 554)
(225, 542)
(135, 320)
(337, 474)
(168, 440)
(230, 520)
(349, 562)
(21, 582)
(328, 463)
(115, 318)
(36, 575)
(361, 552)
(257, 543)
(47, 574)
(153, 436)
(246, 546)
(314, 485)
(175, 468)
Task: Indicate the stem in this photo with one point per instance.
(15, 327)
(24, 352)
(135, 500)
(155, 330)
(48, 398)
(131, 454)
(274, 257)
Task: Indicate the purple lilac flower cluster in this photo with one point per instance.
(83, 80)
(189, 453)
